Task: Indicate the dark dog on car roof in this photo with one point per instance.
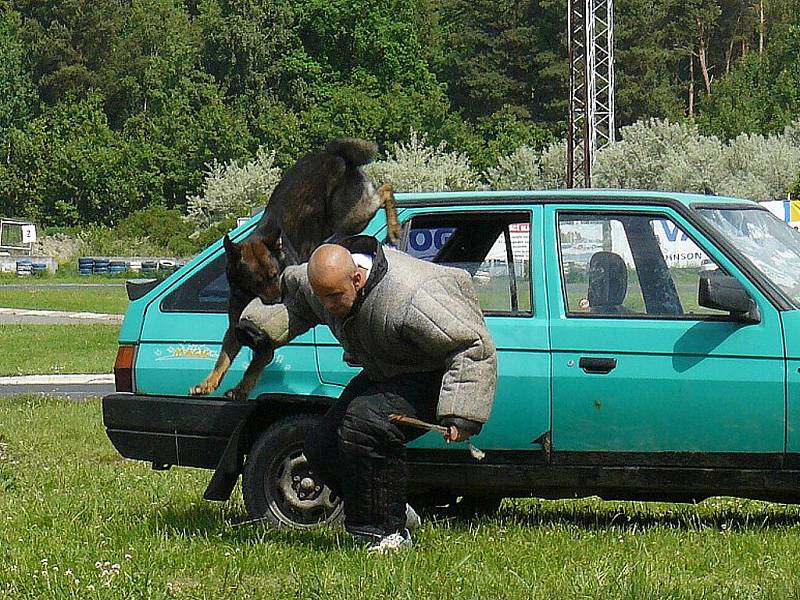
(324, 194)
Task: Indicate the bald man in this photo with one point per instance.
(336, 276)
(417, 331)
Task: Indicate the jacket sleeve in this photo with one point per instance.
(275, 325)
(445, 321)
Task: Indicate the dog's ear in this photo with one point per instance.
(231, 249)
(273, 241)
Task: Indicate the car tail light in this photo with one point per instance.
(123, 368)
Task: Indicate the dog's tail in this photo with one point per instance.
(355, 151)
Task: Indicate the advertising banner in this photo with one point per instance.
(786, 210)
(425, 243)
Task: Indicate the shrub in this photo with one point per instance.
(206, 236)
(163, 227)
(100, 240)
(527, 169)
(760, 167)
(233, 190)
(792, 133)
(520, 170)
(658, 155)
(417, 167)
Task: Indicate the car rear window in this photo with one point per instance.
(206, 291)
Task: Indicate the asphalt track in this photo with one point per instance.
(9, 316)
(73, 387)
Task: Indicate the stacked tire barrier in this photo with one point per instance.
(149, 267)
(101, 266)
(38, 268)
(85, 265)
(117, 267)
(24, 268)
(166, 266)
(92, 265)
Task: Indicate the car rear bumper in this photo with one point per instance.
(168, 430)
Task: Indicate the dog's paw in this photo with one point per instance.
(202, 389)
(237, 394)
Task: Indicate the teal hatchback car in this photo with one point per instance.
(648, 348)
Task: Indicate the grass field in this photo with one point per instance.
(87, 299)
(52, 349)
(67, 274)
(80, 522)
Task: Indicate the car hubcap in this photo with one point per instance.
(298, 497)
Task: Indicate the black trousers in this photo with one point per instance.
(360, 454)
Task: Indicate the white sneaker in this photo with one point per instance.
(413, 520)
(391, 543)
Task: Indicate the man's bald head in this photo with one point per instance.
(334, 278)
(330, 266)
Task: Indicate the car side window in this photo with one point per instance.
(629, 265)
(494, 248)
(206, 291)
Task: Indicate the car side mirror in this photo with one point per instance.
(723, 292)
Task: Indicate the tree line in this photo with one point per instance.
(112, 106)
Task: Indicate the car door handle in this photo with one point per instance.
(597, 366)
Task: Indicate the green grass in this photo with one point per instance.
(66, 278)
(494, 293)
(80, 522)
(87, 299)
(68, 273)
(52, 349)
(686, 284)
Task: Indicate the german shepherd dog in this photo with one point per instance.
(324, 194)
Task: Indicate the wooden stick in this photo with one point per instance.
(476, 452)
(418, 424)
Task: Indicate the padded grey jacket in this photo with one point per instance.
(411, 316)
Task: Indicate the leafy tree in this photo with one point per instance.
(648, 63)
(503, 132)
(72, 43)
(250, 46)
(495, 54)
(187, 128)
(158, 50)
(19, 98)
(68, 167)
(761, 95)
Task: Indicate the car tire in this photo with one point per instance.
(277, 484)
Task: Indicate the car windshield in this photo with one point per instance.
(769, 243)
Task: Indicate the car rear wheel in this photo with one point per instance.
(277, 483)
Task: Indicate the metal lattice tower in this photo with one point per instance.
(591, 86)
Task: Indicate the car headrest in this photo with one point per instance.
(608, 279)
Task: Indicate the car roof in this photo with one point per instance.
(572, 196)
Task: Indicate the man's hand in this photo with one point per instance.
(454, 434)
(459, 429)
